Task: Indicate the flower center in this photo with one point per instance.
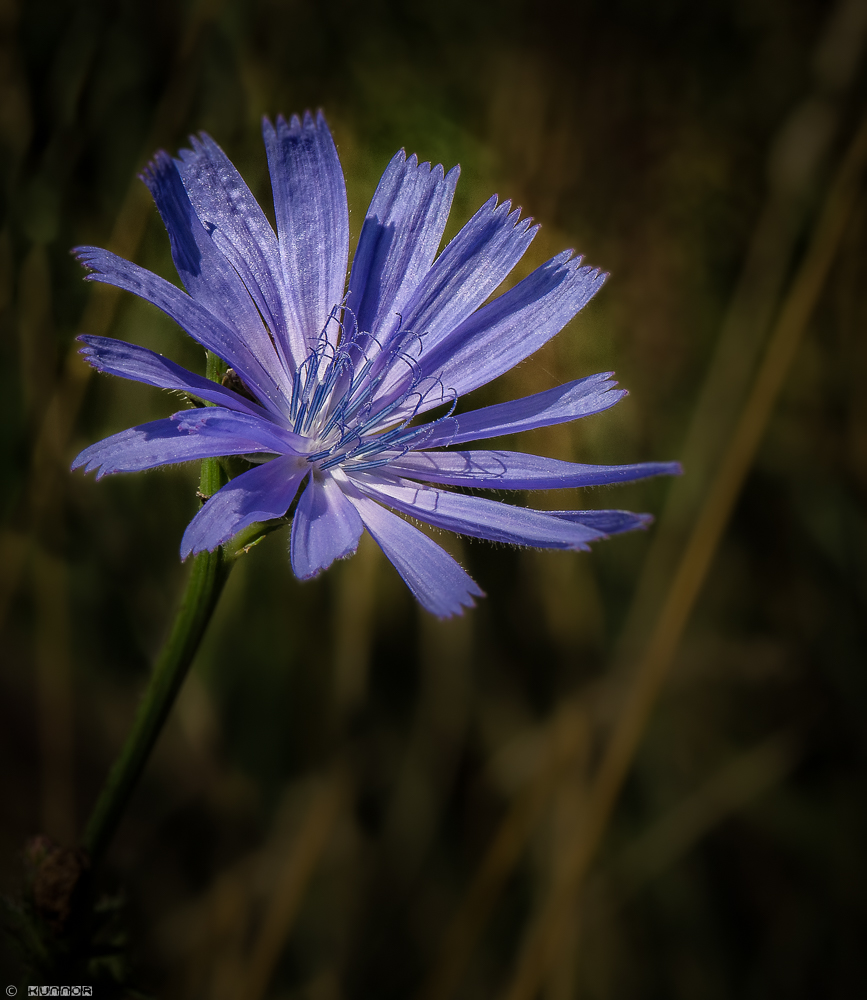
(356, 402)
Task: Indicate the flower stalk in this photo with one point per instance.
(64, 930)
(207, 579)
(210, 571)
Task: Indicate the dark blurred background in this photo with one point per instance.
(343, 775)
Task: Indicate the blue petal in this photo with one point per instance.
(514, 470)
(209, 432)
(260, 494)
(476, 261)
(475, 516)
(201, 324)
(510, 328)
(438, 583)
(611, 522)
(554, 406)
(326, 527)
(204, 270)
(115, 357)
(239, 229)
(312, 226)
(399, 240)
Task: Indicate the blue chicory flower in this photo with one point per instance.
(326, 381)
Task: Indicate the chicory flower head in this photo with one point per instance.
(327, 381)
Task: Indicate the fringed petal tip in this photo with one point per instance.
(454, 605)
(437, 170)
(158, 166)
(504, 214)
(200, 142)
(79, 460)
(312, 572)
(662, 469)
(89, 353)
(87, 256)
(91, 460)
(93, 351)
(599, 275)
(606, 522)
(466, 602)
(91, 356)
(295, 125)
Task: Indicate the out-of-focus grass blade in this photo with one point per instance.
(544, 936)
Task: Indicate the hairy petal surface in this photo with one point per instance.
(312, 226)
(210, 432)
(515, 470)
(116, 357)
(260, 494)
(581, 398)
(476, 516)
(399, 240)
(200, 323)
(438, 583)
(239, 229)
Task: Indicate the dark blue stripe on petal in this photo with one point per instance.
(239, 229)
(399, 240)
(204, 270)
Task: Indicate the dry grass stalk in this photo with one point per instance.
(44, 489)
(542, 942)
(567, 738)
(300, 864)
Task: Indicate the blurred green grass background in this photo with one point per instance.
(339, 764)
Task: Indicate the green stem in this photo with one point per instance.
(209, 573)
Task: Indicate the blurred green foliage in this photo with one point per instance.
(652, 138)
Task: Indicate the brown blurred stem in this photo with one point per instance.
(49, 466)
(544, 937)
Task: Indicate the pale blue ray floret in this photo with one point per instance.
(328, 380)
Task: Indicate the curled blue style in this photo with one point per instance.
(330, 382)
